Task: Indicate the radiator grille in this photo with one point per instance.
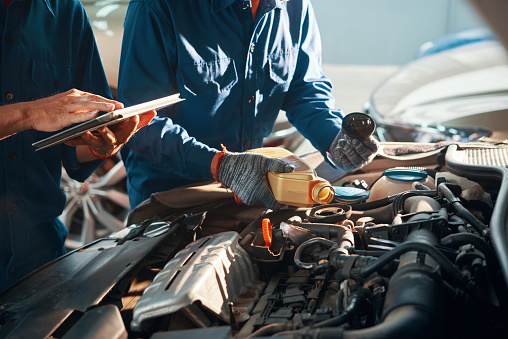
(490, 157)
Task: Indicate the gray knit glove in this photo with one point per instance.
(245, 175)
(349, 153)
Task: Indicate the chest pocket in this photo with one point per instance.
(212, 79)
(282, 66)
(48, 78)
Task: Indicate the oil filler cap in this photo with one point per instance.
(358, 125)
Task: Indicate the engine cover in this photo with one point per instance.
(213, 270)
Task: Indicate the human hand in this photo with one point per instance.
(61, 110)
(350, 153)
(106, 141)
(245, 175)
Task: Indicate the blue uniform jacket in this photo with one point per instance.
(235, 75)
(47, 47)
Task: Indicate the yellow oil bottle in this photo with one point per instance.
(302, 187)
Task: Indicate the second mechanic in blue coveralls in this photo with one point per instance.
(237, 63)
(46, 52)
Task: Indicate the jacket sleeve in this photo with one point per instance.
(314, 116)
(149, 50)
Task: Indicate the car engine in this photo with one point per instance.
(420, 259)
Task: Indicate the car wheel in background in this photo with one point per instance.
(97, 207)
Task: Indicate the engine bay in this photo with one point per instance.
(417, 259)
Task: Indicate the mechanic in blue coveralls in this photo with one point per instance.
(47, 50)
(237, 64)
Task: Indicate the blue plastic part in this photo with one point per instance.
(405, 174)
(350, 195)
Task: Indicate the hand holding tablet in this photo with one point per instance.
(107, 119)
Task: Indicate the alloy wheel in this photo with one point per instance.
(97, 207)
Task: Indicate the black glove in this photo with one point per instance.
(349, 153)
(245, 175)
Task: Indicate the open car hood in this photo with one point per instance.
(455, 93)
(420, 258)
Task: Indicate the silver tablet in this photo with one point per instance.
(107, 119)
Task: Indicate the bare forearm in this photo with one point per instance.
(53, 113)
(13, 119)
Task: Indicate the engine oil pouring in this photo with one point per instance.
(302, 187)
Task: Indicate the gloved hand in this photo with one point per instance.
(245, 175)
(349, 153)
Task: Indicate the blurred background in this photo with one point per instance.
(364, 41)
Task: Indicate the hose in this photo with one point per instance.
(398, 203)
(454, 202)
(371, 253)
(339, 299)
(445, 264)
(407, 322)
(459, 239)
(311, 242)
(364, 206)
(341, 319)
(378, 299)
(356, 303)
(269, 330)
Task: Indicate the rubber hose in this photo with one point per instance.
(299, 251)
(458, 239)
(461, 210)
(268, 330)
(405, 322)
(445, 264)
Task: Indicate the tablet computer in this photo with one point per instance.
(106, 119)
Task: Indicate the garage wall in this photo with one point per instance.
(386, 32)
